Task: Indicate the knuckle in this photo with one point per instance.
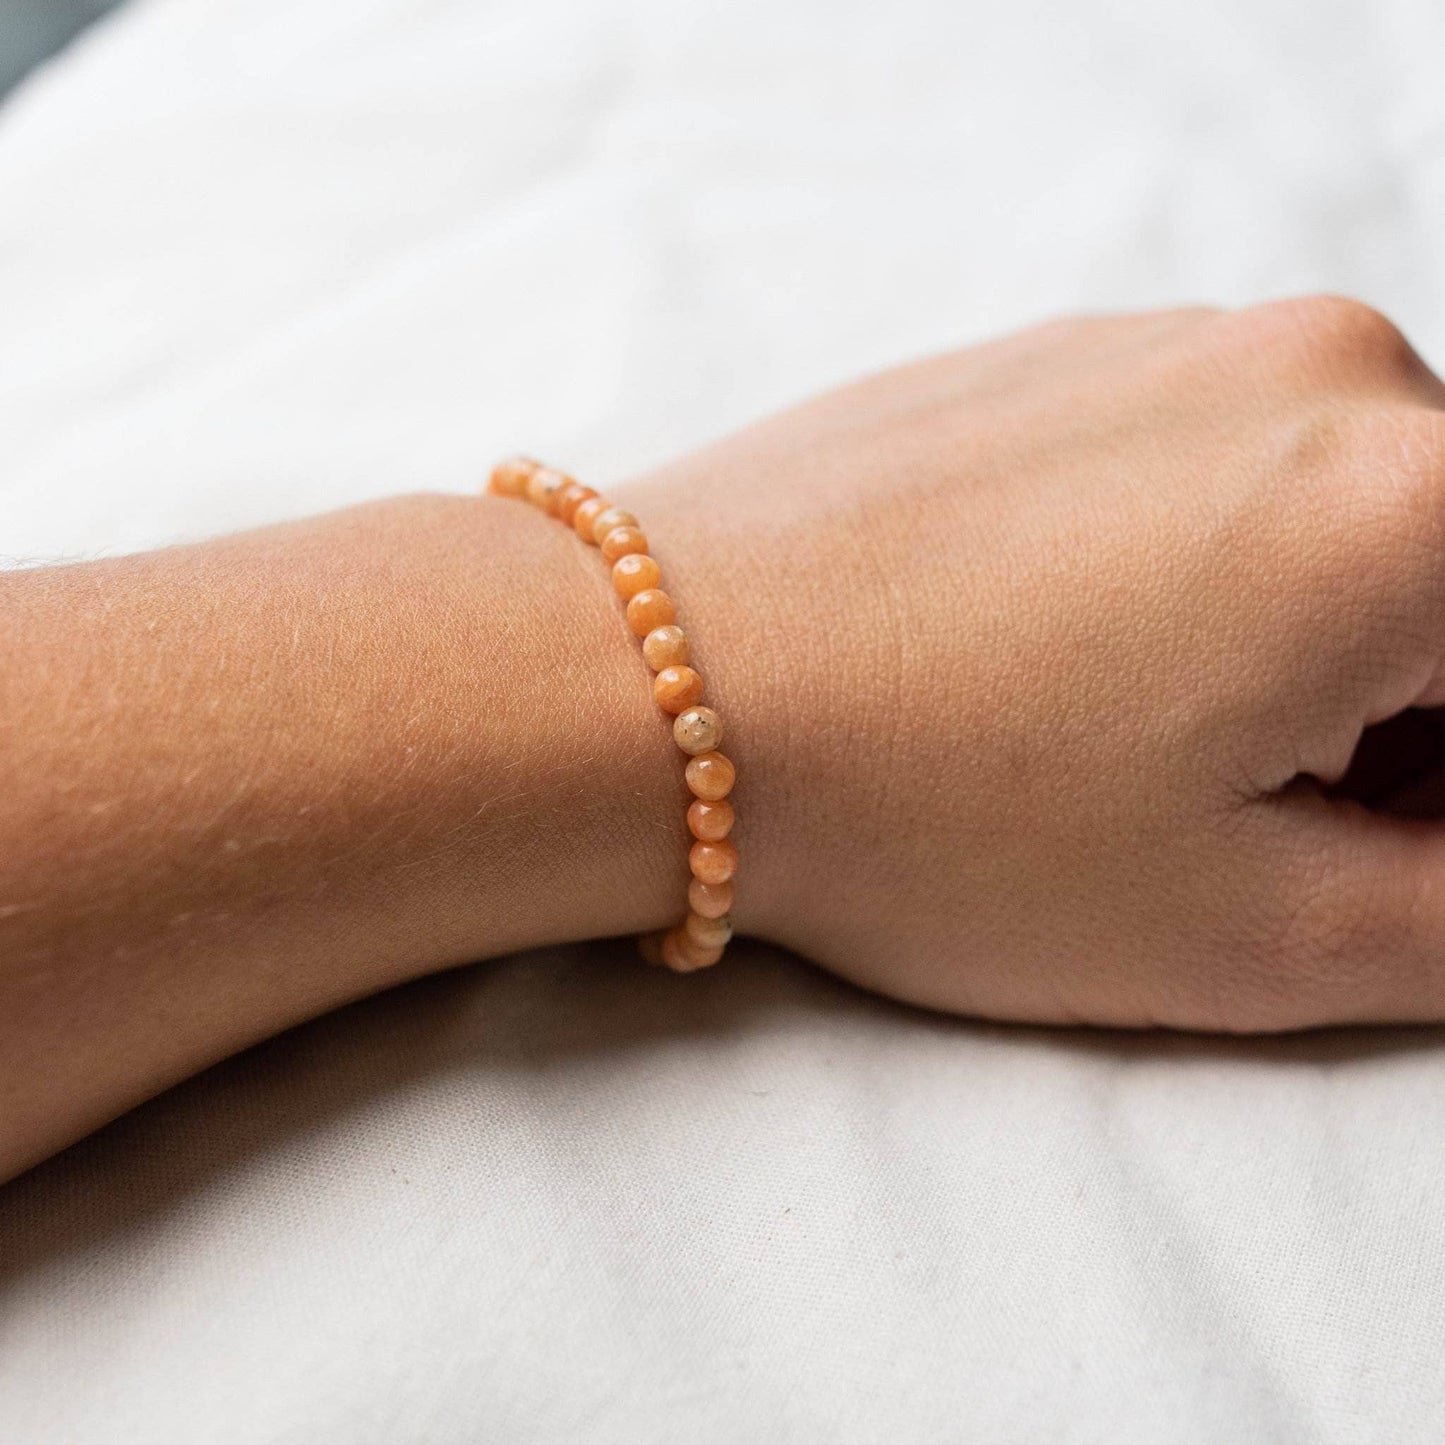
(1330, 330)
(1344, 321)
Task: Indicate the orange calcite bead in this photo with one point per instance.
(509, 478)
(707, 932)
(570, 498)
(609, 518)
(622, 540)
(543, 486)
(676, 689)
(634, 573)
(649, 945)
(665, 646)
(710, 776)
(698, 730)
(711, 900)
(648, 611)
(586, 514)
(711, 822)
(682, 955)
(713, 862)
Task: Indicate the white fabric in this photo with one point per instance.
(261, 257)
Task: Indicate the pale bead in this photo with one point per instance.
(665, 646)
(634, 573)
(713, 862)
(622, 540)
(586, 514)
(509, 478)
(676, 688)
(570, 498)
(608, 519)
(708, 932)
(710, 776)
(698, 730)
(649, 611)
(543, 486)
(711, 900)
(682, 955)
(710, 821)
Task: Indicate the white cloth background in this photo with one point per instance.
(262, 257)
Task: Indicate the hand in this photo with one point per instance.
(1040, 661)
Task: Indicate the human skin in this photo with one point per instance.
(1038, 661)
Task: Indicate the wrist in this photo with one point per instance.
(759, 667)
(557, 784)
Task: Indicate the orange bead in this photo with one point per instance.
(710, 822)
(676, 689)
(634, 573)
(705, 932)
(682, 955)
(713, 862)
(698, 730)
(649, 945)
(711, 900)
(665, 646)
(609, 518)
(649, 611)
(621, 541)
(509, 478)
(543, 486)
(586, 514)
(711, 776)
(570, 498)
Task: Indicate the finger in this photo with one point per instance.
(1360, 934)
(1337, 343)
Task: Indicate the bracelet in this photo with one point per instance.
(700, 938)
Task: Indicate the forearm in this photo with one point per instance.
(248, 780)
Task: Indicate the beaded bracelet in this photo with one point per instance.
(700, 938)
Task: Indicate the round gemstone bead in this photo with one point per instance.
(711, 900)
(634, 573)
(609, 518)
(698, 730)
(710, 776)
(509, 478)
(708, 932)
(570, 498)
(622, 540)
(665, 646)
(649, 611)
(713, 862)
(710, 822)
(543, 486)
(681, 954)
(586, 516)
(676, 689)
